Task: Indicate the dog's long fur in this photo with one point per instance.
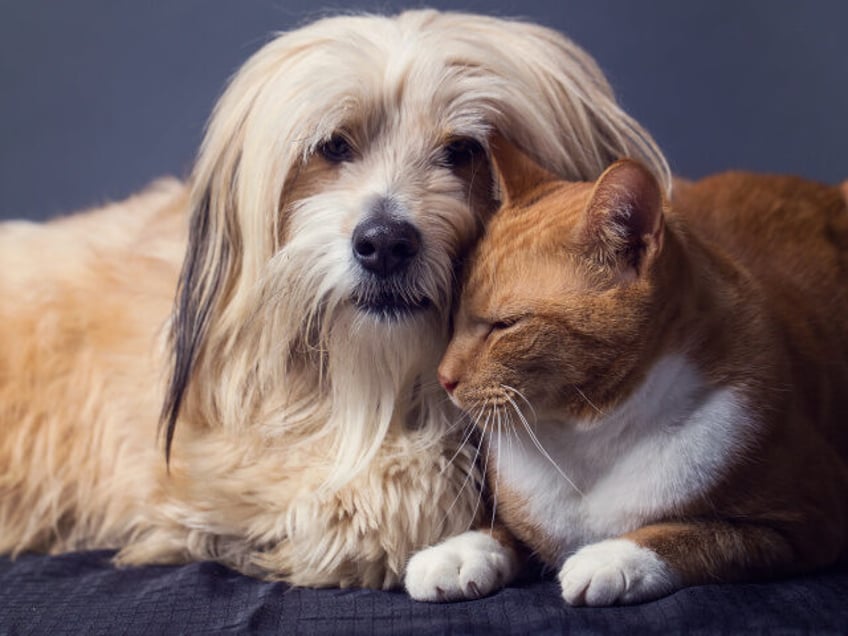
(308, 438)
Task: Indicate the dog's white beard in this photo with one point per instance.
(380, 374)
(319, 372)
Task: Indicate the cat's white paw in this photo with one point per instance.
(614, 571)
(467, 566)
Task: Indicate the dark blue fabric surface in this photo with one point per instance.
(83, 593)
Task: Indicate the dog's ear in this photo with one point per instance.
(517, 173)
(206, 269)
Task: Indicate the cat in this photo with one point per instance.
(662, 387)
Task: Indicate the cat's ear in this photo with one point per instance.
(623, 221)
(517, 173)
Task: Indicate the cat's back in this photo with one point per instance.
(791, 233)
(791, 236)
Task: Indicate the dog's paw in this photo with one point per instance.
(614, 571)
(467, 566)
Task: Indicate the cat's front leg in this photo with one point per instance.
(467, 566)
(656, 560)
(615, 571)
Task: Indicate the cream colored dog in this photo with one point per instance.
(313, 255)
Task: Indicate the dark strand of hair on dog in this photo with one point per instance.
(197, 292)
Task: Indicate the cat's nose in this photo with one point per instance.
(448, 384)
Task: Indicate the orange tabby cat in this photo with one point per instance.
(663, 390)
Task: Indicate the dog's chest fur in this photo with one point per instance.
(663, 447)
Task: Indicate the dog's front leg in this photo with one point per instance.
(466, 566)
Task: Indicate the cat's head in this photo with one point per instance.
(558, 298)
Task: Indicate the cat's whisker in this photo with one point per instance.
(427, 385)
(523, 398)
(588, 401)
(515, 437)
(471, 471)
(538, 444)
(471, 426)
(511, 433)
(485, 470)
(497, 470)
(466, 424)
(446, 399)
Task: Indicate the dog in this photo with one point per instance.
(279, 317)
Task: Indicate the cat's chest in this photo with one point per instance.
(665, 446)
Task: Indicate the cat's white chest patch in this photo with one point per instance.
(668, 443)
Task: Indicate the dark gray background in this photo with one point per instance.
(98, 97)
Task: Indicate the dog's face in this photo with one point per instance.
(380, 212)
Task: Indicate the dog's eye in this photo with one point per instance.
(461, 152)
(336, 149)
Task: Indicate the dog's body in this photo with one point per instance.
(313, 254)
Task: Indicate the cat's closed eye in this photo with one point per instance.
(504, 323)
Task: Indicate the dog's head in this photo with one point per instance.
(344, 173)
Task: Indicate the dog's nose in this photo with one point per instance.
(385, 245)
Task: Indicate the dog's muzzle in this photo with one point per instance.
(387, 249)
